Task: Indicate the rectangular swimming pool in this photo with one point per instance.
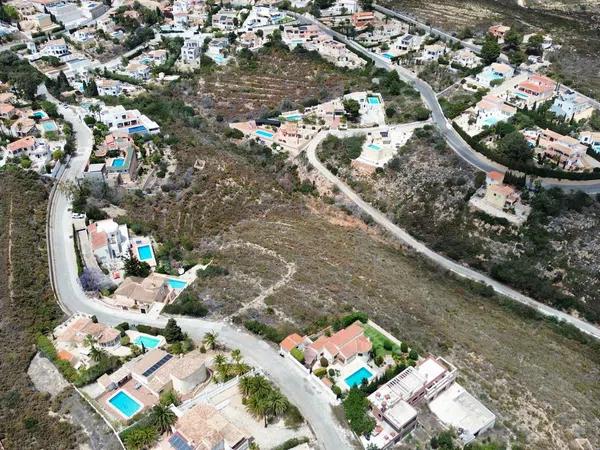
(118, 162)
(373, 100)
(265, 134)
(125, 404)
(177, 284)
(148, 341)
(374, 147)
(144, 252)
(49, 125)
(356, 378)
(137, 129)
(293, 117)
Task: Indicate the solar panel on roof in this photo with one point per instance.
(178, 443)
(157, 366)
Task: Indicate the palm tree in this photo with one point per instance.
(97, 354)
(277, 404)
(210, 340)
(239, 367)
(245, 385)
(257, 407)
(221, 366)
(260, 386)
(89, 341)
(163, 418)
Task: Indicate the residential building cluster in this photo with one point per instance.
(348, 353)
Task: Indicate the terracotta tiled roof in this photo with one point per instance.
(293, 340)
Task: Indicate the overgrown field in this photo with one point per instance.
(293, 261)
(574, 24)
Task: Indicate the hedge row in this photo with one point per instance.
(475, 143)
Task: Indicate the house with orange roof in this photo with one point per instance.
(7, 111)
(203, 427)
(534, 90)
(564, 150)
(362, 20)
(34, 148)
(494, 177)
(499, 31)
(490, 110)
(342, 347)
(291, 342)
(74, 338)
(109, 242)
(501, 196)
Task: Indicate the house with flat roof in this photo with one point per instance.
(457, 408)
(591, 138)
(95, 173)
(131, 121)
(225, 19)
(109, 242)
(433, 52)
(572, 106)
(72, 338)
(109, 87)
(203, 427)
(393, 404)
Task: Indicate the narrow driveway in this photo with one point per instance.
(306, 394)
(422, 249)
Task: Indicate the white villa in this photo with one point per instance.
(109, 241)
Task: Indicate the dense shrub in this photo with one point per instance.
(268, 332)
(188, 305)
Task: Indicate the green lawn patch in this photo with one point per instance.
(381, 345)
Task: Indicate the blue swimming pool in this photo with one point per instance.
(293, 117)
(39, 115)
(490, 121)
(49, 125)
(373, 100)
(125, 404)
(148, 341)
(118, 162)
(356, 378)
(137, 129)
(374, 147)
(265, 134)
(388, 55)
(145, 252)
(177, 284)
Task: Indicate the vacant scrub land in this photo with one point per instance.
(567, 21)
(304, 262)
(425, 189)
(275, 79)
(27, 307)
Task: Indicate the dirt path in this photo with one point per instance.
(259, 300)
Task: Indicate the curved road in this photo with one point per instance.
(454, 140)
(306, 394)
(440, 260)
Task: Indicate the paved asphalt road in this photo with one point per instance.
(454, 140)
(306, 394)
(442, 261)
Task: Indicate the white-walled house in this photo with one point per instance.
(56, 48)
(109, 241)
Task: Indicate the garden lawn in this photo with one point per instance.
(378, 340)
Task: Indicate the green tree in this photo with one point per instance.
(275, 405)
(163, 418)
(514, 147)
(138, 438)
(490, 50)
(91, 89)
(173, 332)
(403, 347)
(356, 407)
(136, 268)
(534, 44)
(352, 108)
(513, 39)
(169, 397)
